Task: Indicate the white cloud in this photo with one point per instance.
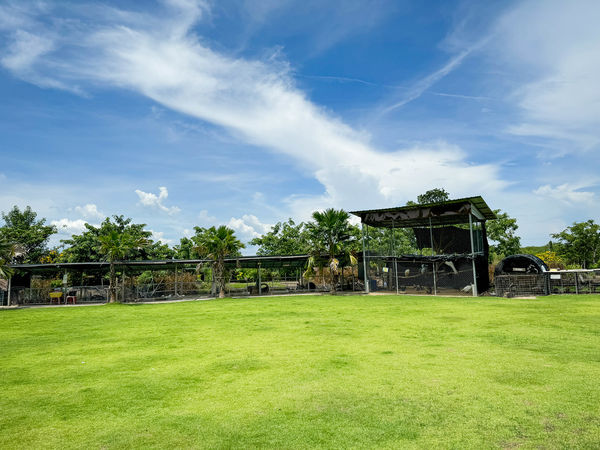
(556, 43)
(566, 193)
(259, 103)
(160, 236)
(424, 84)
(156, 201)
(249, 226)
(69, 227)
(25, 50)
(90, 211)
(206, 219)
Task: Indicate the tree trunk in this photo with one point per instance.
(331, 258)
(112, 289)
(220, 275)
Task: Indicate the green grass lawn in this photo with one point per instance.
(306, 371)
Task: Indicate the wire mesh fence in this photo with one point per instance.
(385, 275)
(160, 290)
(553, 282)
(403, 276)
(48, 296)
(574, 282)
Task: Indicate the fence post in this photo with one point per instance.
(475, 293)
(175, 280)
(9, 291)
(365, 275)
(259, 281)
(576, 282)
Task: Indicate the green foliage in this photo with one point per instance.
(217, 244)
(117, 245)
(330, 233)
(186, 249)
(7, 253)
(285, 238)
(580, 244)
(502, 231)
(399, 241)
(85, 247)
(30, 235)
(552, 259)
(434, 195)
(535, 249)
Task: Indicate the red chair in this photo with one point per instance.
(71, 297)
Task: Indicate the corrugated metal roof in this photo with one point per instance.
(240, 261)
(450, 212)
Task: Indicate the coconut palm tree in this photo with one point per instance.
(329, 232)
(116, 245)
(217, 244)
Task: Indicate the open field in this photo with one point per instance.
(307, 371)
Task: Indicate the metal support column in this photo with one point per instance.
(394, 255)
(475, 293)
(365, 276)
(9, 291)
(175, 288)
(434, 265)
(259, 281)
(122, 286)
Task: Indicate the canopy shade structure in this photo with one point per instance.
(246, 262)
(450, 212)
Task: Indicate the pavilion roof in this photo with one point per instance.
(450, 212)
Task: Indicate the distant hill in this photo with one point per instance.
(534, 250)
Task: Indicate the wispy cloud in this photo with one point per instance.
(338, 79)
(554, 44)
(566, 193)
(461, 96)
(425, 83)
(259, 103)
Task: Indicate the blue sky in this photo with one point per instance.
(180, 113)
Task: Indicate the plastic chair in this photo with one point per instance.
(71, 297)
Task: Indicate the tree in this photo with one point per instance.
(383, 240)
(217, 244)
(7, 253)
(580, 244)
(285, 238)
(435, 195)
(116, 245)
(552, 260)
(502, 231)
(30, 235)
(186, 249)
(329, 233)
(85, 247)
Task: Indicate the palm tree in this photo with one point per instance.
(329, 231)
(115, 245)
(217, 244)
